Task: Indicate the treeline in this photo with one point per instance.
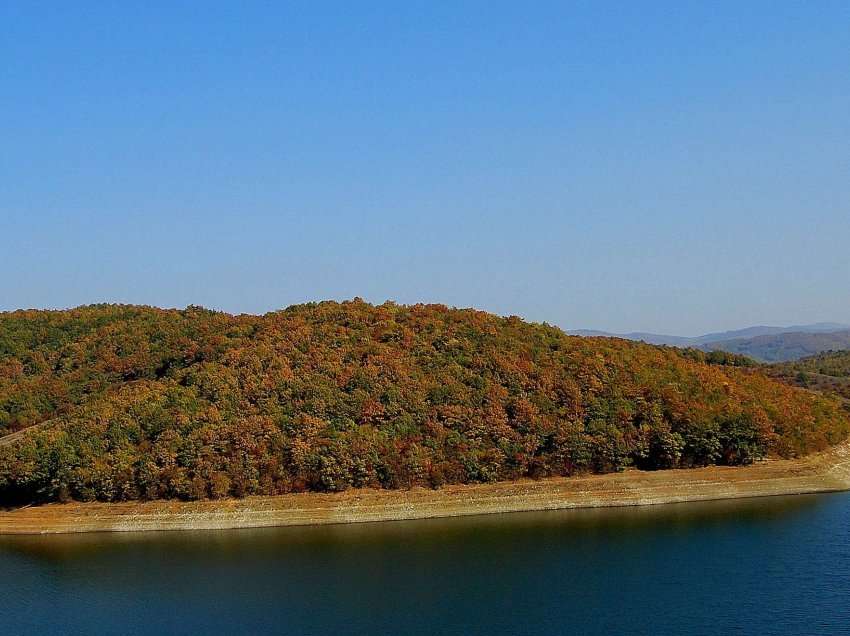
(143, 403)
(720, 357)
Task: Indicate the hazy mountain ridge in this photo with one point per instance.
(639, 336)
(785, 347)
(762, 342)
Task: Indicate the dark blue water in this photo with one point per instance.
(761, 566)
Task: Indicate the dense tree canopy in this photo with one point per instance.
(126, 402)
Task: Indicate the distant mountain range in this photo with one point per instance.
(764, 343)
(785, 347)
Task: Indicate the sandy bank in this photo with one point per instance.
(824, 472)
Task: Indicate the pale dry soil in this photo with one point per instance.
(822, 472)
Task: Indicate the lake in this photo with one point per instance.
(760, 566)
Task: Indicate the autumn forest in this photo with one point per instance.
(113, 402)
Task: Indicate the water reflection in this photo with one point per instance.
(757, 566)
(565, 524)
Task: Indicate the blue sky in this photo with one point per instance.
(676, 167)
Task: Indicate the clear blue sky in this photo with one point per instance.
(677, 167)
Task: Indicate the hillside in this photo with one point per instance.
(122, 403)
(828, 372)
(784, 347)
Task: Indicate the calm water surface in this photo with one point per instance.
(760, 566)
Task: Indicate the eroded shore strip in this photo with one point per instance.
(824, 472)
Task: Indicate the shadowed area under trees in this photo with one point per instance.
(132, 402)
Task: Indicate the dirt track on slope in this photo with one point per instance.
(823, 472)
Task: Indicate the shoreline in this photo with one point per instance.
(828, 471)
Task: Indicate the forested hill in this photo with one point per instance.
(828, 372)
(133, 402)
